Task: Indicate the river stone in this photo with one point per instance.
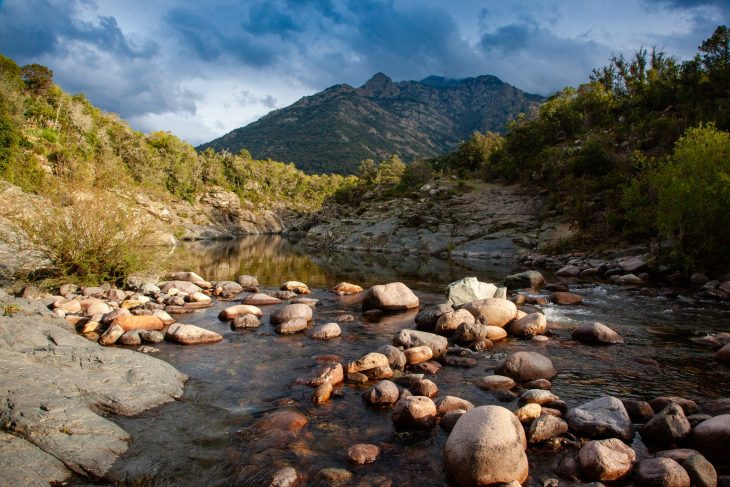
(260, 299)
(363, 453)
(423, 387)
(248, 283)
(287, 421)
(130, 339)
(377, 373)
(295, 287)
(415, 338)
(292, 326)
(495, 333)
(426, 319)
(396, 358)
(527, 366)
(230, 288)
(94, 307)
(142, 322)
(468, 333)
(233, 312)
(417, 412)
(108, 318)
(383, 392)
(712, 437)
(332, 373)
(723, 355)
(184, 286)
(416, 355)
(449, 322)
(327, 331)
(492, 311)
(568, 271)
(449, 420)
(394, 297)
(291, 312)
(191, 334)
(639, 411)
(333, 476)
(151, 336)
(487, 447)
(495, 382)
(285, 477)
(467, 290)
(451, 403)
(596, 334)
(346, 289)
(566, 299)
(538, 396)
(604, 417)
(322, 394)
(189, 277)
(246, 321)
(311, 302)
(667, 428)
(111, 335)
(69, 306)
(527, 279)
(717, 407)
(529, 325)
(687, 405)
(368, 361)
(661, 472)
(528, 412)
(701, 472)
(546, 427)
(606, 460)
(163, 316)
(538, 384)
(200, 298)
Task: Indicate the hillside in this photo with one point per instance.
(332, 131)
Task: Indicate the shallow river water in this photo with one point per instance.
(207, 439)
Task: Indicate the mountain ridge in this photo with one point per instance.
(336, 128)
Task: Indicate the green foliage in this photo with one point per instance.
(390, 171)
(417, 173)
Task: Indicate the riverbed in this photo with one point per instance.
(207, 438)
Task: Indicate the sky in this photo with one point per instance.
(203, 68)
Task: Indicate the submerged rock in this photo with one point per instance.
(363, 453)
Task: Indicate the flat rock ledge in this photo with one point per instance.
(54, 390)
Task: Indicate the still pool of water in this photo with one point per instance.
(207, 438)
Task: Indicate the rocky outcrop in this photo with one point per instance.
(53, 389)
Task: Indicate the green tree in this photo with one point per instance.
(473, 153)
(38, 78)
(390, 171)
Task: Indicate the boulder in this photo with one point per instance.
(229, 288)
(667, 428)
(189, 277)
(163, 316)
(184, 286)
(332, 373)
(604, 417)
(526, 366)
(111, 335)
(527, 279)
(426, 319)
(701, 472)
(141, 322)
(492, 311)
(712, 437)
(383, 392)
(113, 315)
(470, 332)
(292, 326)
(191, 334)
(568, 271)
(260, 299)
(528, 326)
(200, 298)
(151, 336)
(538, 396)
(606, 460)
(415, 338)
(546, 427)
(661, 472)
(346, 289)
(248, 283)
(687, 405)
(369, 361)
(394, 296)
(295, 287)
(423, 387)
(487, 447)
(449, 322)
(596, 334)
(291, 312)
(415, 412)
(416, 355)
(233, 312)
(396, 358)
(130, 339)
(566, 299)
(327, 331)
(495, 333)
(246, 321)
(467, 290)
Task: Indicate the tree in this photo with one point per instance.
(38, 79)
(367, 172)
(474, 153)
(390, 171)
(716, 58)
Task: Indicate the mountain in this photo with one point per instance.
(332, 131)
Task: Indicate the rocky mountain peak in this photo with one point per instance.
(379, 85)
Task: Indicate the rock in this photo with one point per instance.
(546, 427)
(260, 299)
(717, 407)
(495, 382)
(282, 295)
(284, 477)
(452, 403)
(151, 336)
(416, 355)
(723, 355)
(383, 392)
(632, 264)
(228, 288)
(363, 453)
(701, 472)
(628, 279)
(246, 321)
(526, 279)
(322, 394)
(291, 312)
(426, 319)
(527, 366)
(467, 290)
(538, 396)
(69, 306)
(449, 322)
(295, 287)
(396, 358)
(92, 291)
(327, 331)
(113, 315)
(200, 298)
(563, 298)
(191, 334)
(142, 322)
(596, 333)
(492, 311)
(285, 421)
(248, 283)
(495, 333)
(661, 472)
(667, 428)
(604, 417)
(346, 289)
(688, 405)
(377, 373)
(468, 333)
(333, 476)
(528, 326)
(24, 465)
(528, 412)
(332, 373)
(712, 437)
(639, 411)
(539, 384)
(94, 306)
(449, 420)
(368, 361)
(424, 387)
(431, 367)
(568, 271)
(111, 335)
(233, 312)
(487, 447)
(357, 378)
(417, 412)
(163, 316)
(393, 297)
(184, 286)
(606, 460)
(414, 338)
(290, 327)
(130, 339)
(189, 277)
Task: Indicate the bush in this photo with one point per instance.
(693, 198)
